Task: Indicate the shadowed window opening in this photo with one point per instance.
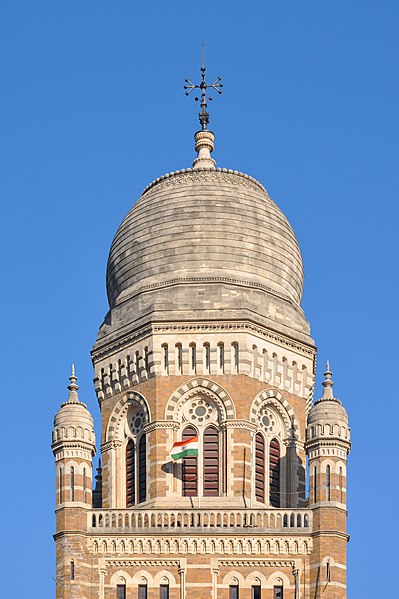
(189, 467)
(260, 467)
(142, 469)
(274, 473)
(211, 462)
(256, 591)
(72, 483)
(130, 474)
(328, 483)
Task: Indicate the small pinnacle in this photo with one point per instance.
(73, 387)
(328, 383)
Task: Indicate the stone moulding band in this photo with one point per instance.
(240, 326)
(125, 296)
(210, 173)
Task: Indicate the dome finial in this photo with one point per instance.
(73, 387)
(328, 383)
(204, 139)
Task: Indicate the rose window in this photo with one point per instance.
(200, 411)
(268, 421)
(135, 419)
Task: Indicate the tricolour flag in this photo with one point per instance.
(182, 449)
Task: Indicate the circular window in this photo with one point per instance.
(268, 421)
(135, 419)
(200, 411)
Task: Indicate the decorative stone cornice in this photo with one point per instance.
(257, 563)
(129, 563)
(114, 444)
(161, 424)
(242, 424)
(106, 350)
(205, 174)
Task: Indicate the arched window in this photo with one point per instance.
(207, 358)
(189, 467)
(84, 486)
(179, 358)
(260, 467)
(165, 358)
(233, 591)
(72, 572)
(130, 474)
(121, 591)
(193, 357)
(142, 469)
(256, 591)
(142, 591)
(274, 473)
(72, 483)
(221, 357)
(61, 479)
(328, 483)
(278, 592)
(314, 484)
(164, 591)
(341, 490)
(211, 462)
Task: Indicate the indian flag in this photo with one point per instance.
(182, 449)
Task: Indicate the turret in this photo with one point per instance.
(73, 446)
(327, 447)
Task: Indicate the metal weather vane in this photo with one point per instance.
(203, 86)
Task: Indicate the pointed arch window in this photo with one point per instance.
(328, 483)
(142, 591)
(314, 484)
(61, 475)
(234, 591)
(259, 467)
(84, 486)
(341, 490)
(164, 591)
(189, 467)
(274, 473)
(72, 483)
(130, 474)
(142, 468)
(211, 462)
(121, 591)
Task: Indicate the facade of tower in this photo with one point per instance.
(205, 337)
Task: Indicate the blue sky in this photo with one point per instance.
(92, 109)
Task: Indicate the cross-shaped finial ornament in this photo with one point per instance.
(203, 86)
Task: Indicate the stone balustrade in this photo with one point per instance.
(171, 520)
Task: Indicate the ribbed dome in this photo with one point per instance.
(204, 224)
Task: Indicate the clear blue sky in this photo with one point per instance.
(92, 110)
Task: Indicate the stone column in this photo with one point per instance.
(215, 573)
(182, 574)
(102, 573)
(297, 577)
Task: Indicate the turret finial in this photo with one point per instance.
(73, 387)
(328, 383)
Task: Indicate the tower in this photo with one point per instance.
(206, 342)
(327, 447)
(73, 445)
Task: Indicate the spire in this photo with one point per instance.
(73, 387)
(328, 383)
(204, 139)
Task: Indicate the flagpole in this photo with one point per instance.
(199, 478)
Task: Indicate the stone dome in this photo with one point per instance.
(328, 418)
(205, 224)
(73, 423)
